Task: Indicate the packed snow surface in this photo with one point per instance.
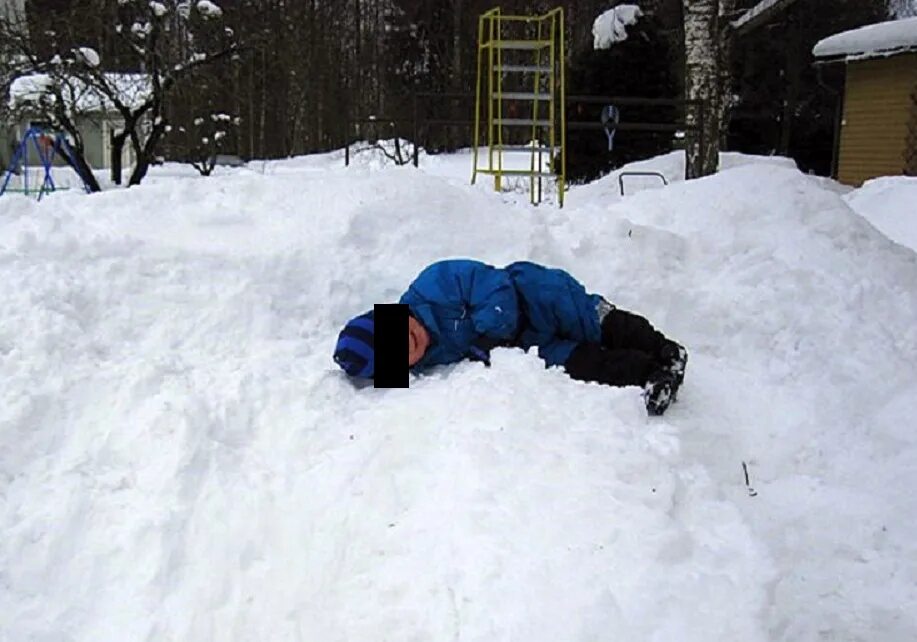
(879, 39)
(180, 459)
(889, 203)
(611, 26)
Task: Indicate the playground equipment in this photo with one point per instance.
(610, 118)
(509, 129)
(29, 171)
(658, 175)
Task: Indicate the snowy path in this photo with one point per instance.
(179, 458)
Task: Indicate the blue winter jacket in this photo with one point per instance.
(460, 301)
(557, 311)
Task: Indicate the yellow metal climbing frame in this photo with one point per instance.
(520, 77)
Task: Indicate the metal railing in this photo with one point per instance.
(418, 126)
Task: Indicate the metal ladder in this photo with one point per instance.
(537, 66)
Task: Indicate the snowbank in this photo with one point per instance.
(889, 203)
(672, 168)
(180, 458)
(882, 39)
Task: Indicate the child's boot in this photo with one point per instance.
(659, 391)
(674, 359)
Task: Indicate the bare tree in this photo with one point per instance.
(706, 67)
(168, 40)
(710, 28)
(47, 90)
(201, 142)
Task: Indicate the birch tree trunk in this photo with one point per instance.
(457, 44)
(707, 75)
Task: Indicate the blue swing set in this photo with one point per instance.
(47, 146)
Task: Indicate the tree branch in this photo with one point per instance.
(758, 15)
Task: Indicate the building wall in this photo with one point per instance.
(96, 140)
(878, 110)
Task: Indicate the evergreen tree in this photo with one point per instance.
(640, 66)
(785, 103)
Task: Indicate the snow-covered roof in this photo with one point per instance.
(881, 39)
(133, 90)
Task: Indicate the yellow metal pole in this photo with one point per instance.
(552, 134)
(534, 136)
(477, 99)
(490, 95)
(498, 177)
(563, 117)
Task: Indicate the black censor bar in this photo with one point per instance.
(391, 345)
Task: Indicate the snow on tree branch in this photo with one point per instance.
(610, 27)
(87, 56)
(209, 9)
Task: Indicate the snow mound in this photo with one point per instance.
(889, 203)
(671, 166)
(181, 459)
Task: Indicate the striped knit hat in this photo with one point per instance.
(355, 352)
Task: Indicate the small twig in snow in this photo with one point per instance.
(751, 491)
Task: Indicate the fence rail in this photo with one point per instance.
(418, 126)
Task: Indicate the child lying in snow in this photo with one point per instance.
(462, 309)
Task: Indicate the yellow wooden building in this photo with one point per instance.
(878, 132)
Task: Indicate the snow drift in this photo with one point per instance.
(889, 203)
(180, 458)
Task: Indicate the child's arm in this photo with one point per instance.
(493, 304)
(556, 352)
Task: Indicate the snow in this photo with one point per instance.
(884, 38)
(133, 90)
(180, 458)
(209, 9)
(889, 203)
(610, 27)
(756, 11)
(88, 55)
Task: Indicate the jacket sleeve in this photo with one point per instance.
(492, 303)
(556, 352)
(465, 289)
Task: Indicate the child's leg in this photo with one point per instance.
(621, 367)
(625, 330)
